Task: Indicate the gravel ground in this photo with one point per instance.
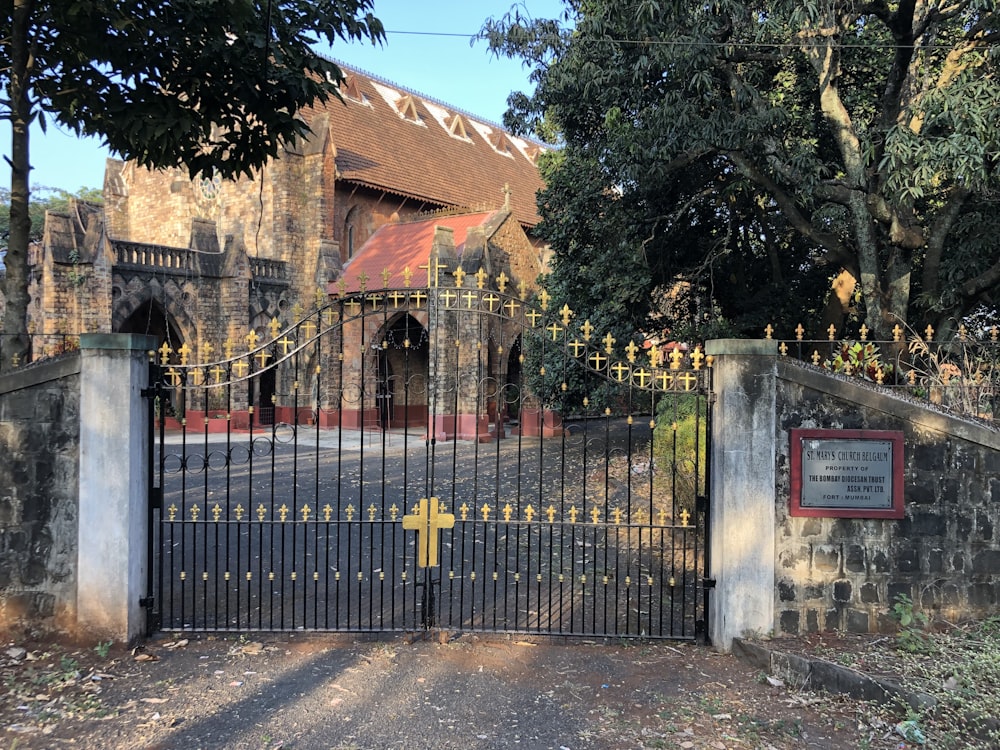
(472, 692)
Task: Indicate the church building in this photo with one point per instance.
(387, 181)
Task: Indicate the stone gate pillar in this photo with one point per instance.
(114, 504)
(742, 505)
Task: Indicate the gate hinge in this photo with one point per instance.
(708, 583)
(147, 602)
(156, 498)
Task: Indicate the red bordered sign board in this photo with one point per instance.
(847, 473)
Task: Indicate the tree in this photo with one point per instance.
(214, 85)
(43, 199)
(778, 141)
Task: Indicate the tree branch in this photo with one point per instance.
(935, 241)
(983, 282)
(837, 252)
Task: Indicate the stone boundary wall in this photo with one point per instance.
(844, 573)
(39, 494)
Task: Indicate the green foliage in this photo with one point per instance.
(215, 86)
(912, 635)
(748, 153)
(680, 445)
(861, 359)
(42, 199)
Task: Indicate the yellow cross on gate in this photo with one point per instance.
(449, 298)
(428, 520)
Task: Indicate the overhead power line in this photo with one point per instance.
(770, 46)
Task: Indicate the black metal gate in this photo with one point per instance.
(454, 457)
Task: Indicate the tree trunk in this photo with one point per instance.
(15, 320)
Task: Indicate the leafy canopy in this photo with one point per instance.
(215, 85)
(740, 154)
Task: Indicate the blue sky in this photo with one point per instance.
(446, 68)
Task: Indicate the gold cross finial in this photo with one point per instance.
(428, 520)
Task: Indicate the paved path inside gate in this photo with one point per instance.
(475, 692)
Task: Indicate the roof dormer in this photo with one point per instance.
(406, 105)
(501, 143)
(456, 127)
(351, 88)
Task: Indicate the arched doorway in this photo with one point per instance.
(401, 378)
(150, 319)
(512, 382)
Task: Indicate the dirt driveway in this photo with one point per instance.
(472, 692)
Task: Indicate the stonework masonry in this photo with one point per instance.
(845, 573)
(39, 442)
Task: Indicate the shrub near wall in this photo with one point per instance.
(844, 573)
(39, 445)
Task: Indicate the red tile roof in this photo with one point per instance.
(401, 246)
(378, 146)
